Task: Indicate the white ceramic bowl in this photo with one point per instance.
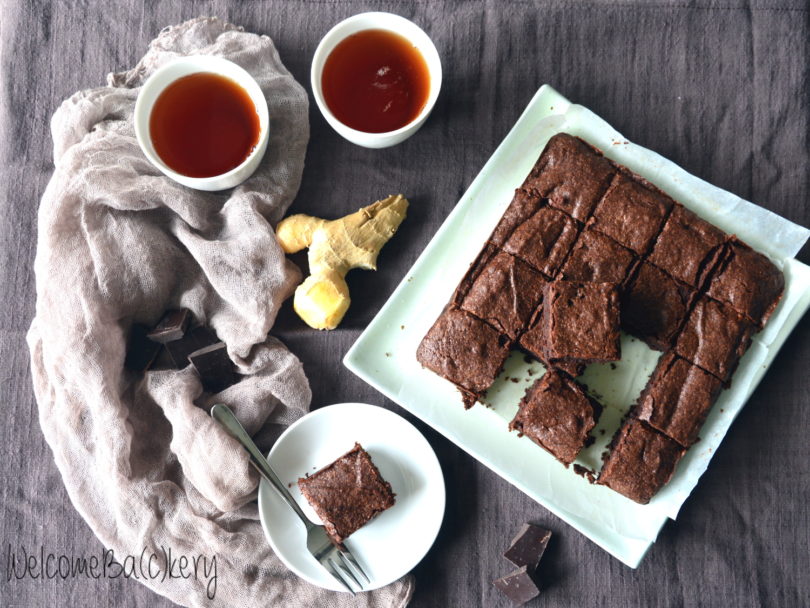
(380, 21)
(184, 66)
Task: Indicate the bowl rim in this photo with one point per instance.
(197, 63)
(384, 21)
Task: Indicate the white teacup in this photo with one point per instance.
(184, 66)
(380, 21)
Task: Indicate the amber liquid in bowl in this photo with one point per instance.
(204, 125)
(375, 81)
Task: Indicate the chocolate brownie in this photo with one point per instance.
(641, 461)
(543, 240)
(749, 282)
(557, 414)
(348, 493)
(632, 212)
(572, 174)
(655, 306)
(503, 291)
(533, 341)
(464, 350)
(677, 399)
(714, 337)
(581, 321)
(524, 204)
(597, 258)
(688, 247)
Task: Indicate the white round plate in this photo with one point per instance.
(391, 544)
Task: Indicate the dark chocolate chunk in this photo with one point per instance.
(348, 493)
(195, 339)
(214, 366)
(163, 361)
(519, 586)
(172, 326)
(141, 351)
(527, 548)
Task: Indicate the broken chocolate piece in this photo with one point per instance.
(528, 546)
(172, 326)
(518, 586)
(214, 366)
(195, 339)
(163, 361)
(141, 351)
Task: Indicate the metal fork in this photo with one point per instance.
(336, 559)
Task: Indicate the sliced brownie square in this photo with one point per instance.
(599, 259)
(464, 350)
(524, 204)
(714, 337)
(533, 341)
(640, 462)
(688, 247)
(632, 212)
(543, 240)
(572, 174)
(581, 321)
(348, 493)
(749, 282)
(654, 306)
(677, 399)
(558, 415)
(504, 292)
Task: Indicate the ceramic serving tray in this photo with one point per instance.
(385, 354)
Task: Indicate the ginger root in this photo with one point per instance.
(335, 247)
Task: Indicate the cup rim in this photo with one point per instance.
(435, 72)
(201, 64)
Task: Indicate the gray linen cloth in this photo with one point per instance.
(119, 243)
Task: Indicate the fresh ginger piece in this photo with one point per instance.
(335, 247)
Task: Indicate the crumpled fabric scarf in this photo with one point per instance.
(119, 243)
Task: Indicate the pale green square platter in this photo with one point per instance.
(384, 355)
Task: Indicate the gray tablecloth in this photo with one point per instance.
(722, 88)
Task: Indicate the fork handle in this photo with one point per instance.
(223, 414)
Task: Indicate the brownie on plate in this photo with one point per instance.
(557, 414)
(641, 461)
(714, 337)
(749, 282)
(581, 321)
(502, 290)
(348, 493)
(464, 350)
(688, 247)
(572, 174)
(543, 240)
(524, 204)
(599, 259)
(677, 399)
(632, 212)
(655, 306)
